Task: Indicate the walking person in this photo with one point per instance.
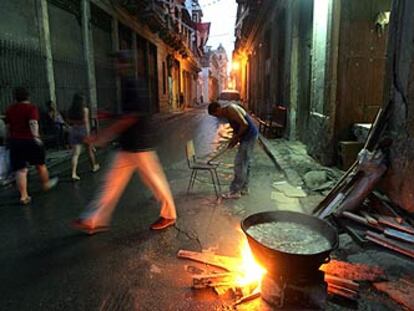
(78, 115)
(26, 147)
(59, 123)
(244, 132)
(137, 154)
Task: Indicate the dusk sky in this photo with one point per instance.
(222, 15)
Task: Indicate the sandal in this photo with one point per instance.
(96, 168)
(26, 201)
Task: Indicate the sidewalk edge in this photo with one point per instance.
(291, 175)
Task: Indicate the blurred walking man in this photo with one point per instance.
(244, 132)
(137, 154)
(26, 147)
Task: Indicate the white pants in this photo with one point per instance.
(146, 163)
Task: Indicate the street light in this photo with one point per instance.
(235, 66)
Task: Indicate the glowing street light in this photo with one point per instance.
(235, 66)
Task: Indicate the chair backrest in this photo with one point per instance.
(190, 152)
(279, 115)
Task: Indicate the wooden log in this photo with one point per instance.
(342, 186)
(362, 220)
(390, 244)
(247, 298)
(390, 222)
(371, 220)
(222, 290)
(335, 190)
(339, 291)
(401, 291)
(397, 234)
(331, 279)
(213, 280)
(384, 201)
(356, 218)
(393, 233)
(224, 262)
(353, 271)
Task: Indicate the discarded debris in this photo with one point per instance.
(289, 190)
(286, 203)
(360, 179)
(399, 247)
(353, 271)
(401, 291)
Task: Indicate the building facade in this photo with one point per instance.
(332, 65)
(213, 76)
(58, 47)
(305, 56)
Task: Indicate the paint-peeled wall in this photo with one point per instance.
(320, 120)
(399, 181)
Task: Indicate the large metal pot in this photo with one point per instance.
(284, 263)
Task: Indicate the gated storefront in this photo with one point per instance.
(21, 54)
(104, 67)
(68, 56)
(57, 48)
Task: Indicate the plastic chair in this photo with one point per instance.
(195, 165)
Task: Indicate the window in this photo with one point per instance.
(164, 78)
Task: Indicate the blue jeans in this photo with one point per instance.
(242, 164)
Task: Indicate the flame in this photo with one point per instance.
(251, 271)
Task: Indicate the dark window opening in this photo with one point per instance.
(164, 78)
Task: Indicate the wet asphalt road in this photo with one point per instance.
(45, 265)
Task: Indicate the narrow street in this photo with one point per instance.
(47, 265)
(326, 221)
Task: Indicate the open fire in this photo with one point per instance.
(280, 278)
(250, 271)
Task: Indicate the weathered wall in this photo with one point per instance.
(21, 56)
(25, 50)
(163, 78)
(399, 181)
(361, 67)
(67, 51)
(304, 62)
(104, 68)
(319, 134)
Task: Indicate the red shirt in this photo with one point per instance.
(18, 116)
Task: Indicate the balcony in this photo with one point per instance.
(154, 16)
(133, 6)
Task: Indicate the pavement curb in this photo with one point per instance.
(291, 175)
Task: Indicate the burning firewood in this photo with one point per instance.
(247, 298)
(213, 280)
(224, 262)
(244, 285)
